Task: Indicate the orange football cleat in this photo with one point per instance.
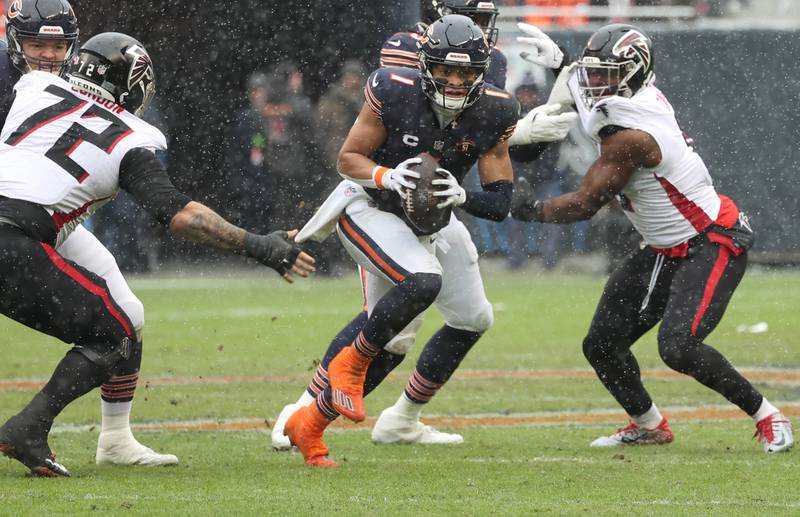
(305, 429)
(347, 373)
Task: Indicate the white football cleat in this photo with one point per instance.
(775, 432)
(280, 442)
(635, 435)
(127, 451)
(393, 427)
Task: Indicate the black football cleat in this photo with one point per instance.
(27, 443)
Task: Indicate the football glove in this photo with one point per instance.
(454, 194)
(543, 124)
(274, 250)
(542, 50)
(560, 93)
(523, 204)
(401, 177)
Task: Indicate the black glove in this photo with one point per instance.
(274, 250)
(523, 204)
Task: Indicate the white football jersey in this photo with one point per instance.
(674, 201)
(61, 147)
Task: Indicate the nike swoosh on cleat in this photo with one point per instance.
(395, 43)
(375, 81)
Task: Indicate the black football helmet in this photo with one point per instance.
(617, 60)
(116, 67)
(44, 19)
(482, 12)
(454, 41)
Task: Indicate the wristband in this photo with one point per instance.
(379, 175)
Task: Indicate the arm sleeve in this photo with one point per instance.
(528, 153)
(492, 203)
(144, 177)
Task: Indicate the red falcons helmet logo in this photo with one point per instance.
(633, 43)
(141, 65)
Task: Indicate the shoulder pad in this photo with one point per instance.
(386, 85)
(400, 50)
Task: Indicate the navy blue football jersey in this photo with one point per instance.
(396, 96)
(401, 50)
(9, 74)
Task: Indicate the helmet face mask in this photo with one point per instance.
(598, 80)
(453, 59)
(44, 21)
(617, 61)
(454, 96)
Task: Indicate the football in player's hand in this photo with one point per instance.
(419, 204)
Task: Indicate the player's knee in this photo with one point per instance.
(423, 287)
(134, 310)
(592, 347)
(599, 347)
(478, 318)
(403, 342)
(673, 347)
(401, 345)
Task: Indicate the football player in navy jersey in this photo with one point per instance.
(66, 150)
(547, 123)
(543, 124)
(401, 48)
(42, 35)
(447, 110)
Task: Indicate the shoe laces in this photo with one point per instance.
(630, 428)
(765, 428)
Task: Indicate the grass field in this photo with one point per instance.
(225, 353)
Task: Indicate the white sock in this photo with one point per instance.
(765, 410)
(407, 407)
(116, 417)
(305, 399)
(649, 419)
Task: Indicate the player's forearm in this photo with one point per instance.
(492, 203)
(360, 169)
(568, 208)
(200, 224)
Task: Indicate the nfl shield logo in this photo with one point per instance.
(438, 145)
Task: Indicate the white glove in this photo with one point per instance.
(543, 124)
(542, 50)
(401, 177)
(561, 94)
(455, 193)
